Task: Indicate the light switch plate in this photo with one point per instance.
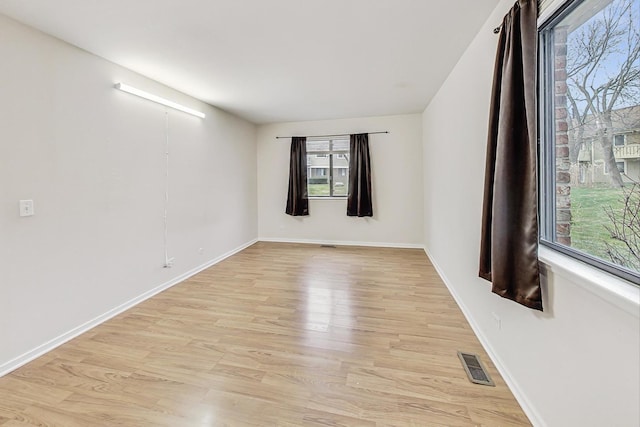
(26, 208)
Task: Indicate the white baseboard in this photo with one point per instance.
(27, 357)
(518, 393)
(343, 243)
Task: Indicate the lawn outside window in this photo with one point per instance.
(328, 167)
(589, 81)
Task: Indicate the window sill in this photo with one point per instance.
(328, 198)
(612, 289)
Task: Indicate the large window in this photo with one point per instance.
(590, 133)
(328, 167)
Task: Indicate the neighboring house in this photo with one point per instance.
(589, 166)
(318, 165)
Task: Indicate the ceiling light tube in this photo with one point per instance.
(155, 98)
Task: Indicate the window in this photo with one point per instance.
(589, 202)
(328, 167)
(619, 166)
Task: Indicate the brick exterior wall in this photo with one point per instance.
(563, 163)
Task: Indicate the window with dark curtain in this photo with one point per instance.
(297, 198)
(359, 199)
(509, 246)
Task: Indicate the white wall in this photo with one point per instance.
(577, 364)
(396, 180)
(92, 159)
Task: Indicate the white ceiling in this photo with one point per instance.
(275, 60)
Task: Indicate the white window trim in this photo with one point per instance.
(612, 289)
(336, 198)
(548, 11)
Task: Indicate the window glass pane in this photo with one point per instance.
(317, 146)
(340, 145)
(592, 201)
(317, 175)
(340, 179)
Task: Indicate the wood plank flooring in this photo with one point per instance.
(277, 335)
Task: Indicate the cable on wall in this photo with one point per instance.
(168, 262)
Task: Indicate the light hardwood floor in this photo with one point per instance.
(277, 335)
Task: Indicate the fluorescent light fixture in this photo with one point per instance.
(155, 98)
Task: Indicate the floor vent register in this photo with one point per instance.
(475, 369)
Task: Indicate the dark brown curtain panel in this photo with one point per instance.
(297, 198)
(359, 200)
(509, 246)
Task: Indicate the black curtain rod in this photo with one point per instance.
(327, 136)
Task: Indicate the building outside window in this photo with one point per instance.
(590, 134)
(316, 171)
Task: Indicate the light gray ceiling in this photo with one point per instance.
(275, 60)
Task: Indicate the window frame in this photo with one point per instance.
(547, 152)
(330, 153)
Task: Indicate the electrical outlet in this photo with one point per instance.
(26, 208)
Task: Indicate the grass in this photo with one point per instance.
(323, 190)
(318, 189)
(589, 219)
